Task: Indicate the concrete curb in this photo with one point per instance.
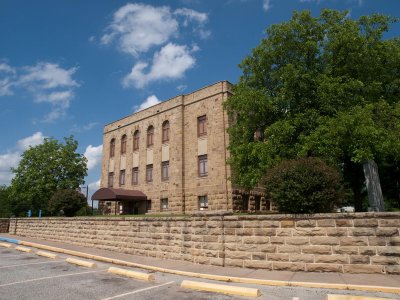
(350, 297)
(131, 274)
(46, 254)
(383, 289)
(221, 288)
(23, 249)
(81, 263)
(6, 245)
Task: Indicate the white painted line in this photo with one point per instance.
(37, 263)
(50, 277)
(139, 291)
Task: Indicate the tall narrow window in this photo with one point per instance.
(122, 177)
(136, 137)
(112, 148)
(203, 202)
(110, 179)
(135, 176)
(165, 132)
(165, 170)
(123, 144)
(150, 136)
(201, 126)
(203, 168)
(149, 173)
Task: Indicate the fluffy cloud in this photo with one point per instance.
(84, 128)
(94, 186)
(150, 101)
(170, 63)
(137, 28)
(93, 155)
(266, 4)
(12, 158)
(47, 82)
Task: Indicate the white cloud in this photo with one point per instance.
(31, 141)
(7, 75)
(181, 87)
(84, 128)
(93, 155)
(94, 186)
(171, 62)
(138, 27)
(4, 67)
(266, 5)
(193, 16)
(150, 101)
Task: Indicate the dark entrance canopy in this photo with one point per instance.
(111, 194)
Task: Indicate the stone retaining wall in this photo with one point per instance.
(349, 243)
(4, 223)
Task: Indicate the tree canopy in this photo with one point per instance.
(326, 86)
(66, 202)
(42, 171)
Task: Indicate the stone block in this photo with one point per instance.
(306, 223)
(362, 232)
(237, 255)
(257, 264)
(309, 232)
(321, 240)
(389, 222)
(389, 251)
(297, 240)
(307, 258)
(365, 223)
(267, 248)
(336, 231)
(394, 241)
(244, 232)
(385, 260)
(278, 257)
(366, 269)
(264, 231)
(287, 223)
(277, 240)
(289, 266)
(367, 250)
(324, 268)
(255, 240)
(332, 259)
(377, 241)
(353, 241)
(270, 224)
(316, 249)
(389, 231)
(233, 262)
(345, 250)
(326, 223)
(288, 249)
(344, 223)
(258, 256)
(392, 270)
(360, 259)
(284, 232)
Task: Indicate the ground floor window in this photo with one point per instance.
(148, 204)
(203, 202)
(164, 204)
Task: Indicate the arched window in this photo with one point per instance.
(150, 135)
(165, 132)
(112, 148)
(123, 144)
(136, 140)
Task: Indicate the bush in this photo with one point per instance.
(305, 185)
(66, 202)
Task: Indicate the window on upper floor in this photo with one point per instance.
(135, 176)
(123, 144)
(165, 170)
(149, 173)
(165, 132)
(122, 177)
(203, 168)
(112, 148)
(202, 126)
(150, 136)
(110, 179)
(136, 137)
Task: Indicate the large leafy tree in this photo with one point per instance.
(42, 171)
(326, 86)
(5, 208)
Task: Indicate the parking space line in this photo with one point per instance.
(36, 263)
(139, 291)
(49, 277)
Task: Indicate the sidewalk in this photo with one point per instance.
(370, 281)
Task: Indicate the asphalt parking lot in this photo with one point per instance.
(29, 276)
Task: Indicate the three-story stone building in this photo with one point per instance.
(172, 157)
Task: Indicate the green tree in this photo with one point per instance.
(42, 171)
(305, 185)
(308, 78)
(5, 208)
(66, 202)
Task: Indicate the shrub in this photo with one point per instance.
(305, 185)
(67, 202)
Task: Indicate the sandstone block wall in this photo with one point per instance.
(4, 223)
(349, 243)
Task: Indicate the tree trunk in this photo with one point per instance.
(375, 197)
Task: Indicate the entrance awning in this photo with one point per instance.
(111, 194)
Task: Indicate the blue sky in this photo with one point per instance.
(70, 67)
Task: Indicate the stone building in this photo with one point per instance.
(172, 157)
